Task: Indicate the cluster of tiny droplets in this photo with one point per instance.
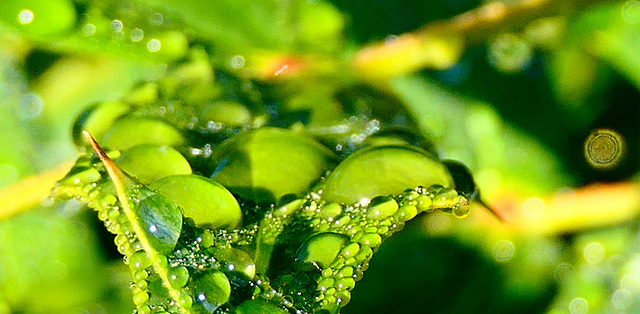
(89, 184)
(365, 227)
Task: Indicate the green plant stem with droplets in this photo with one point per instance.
(439, 44)
(117, 177)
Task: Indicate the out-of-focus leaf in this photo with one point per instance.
(498, 154)
(237, 25)
(55, 278)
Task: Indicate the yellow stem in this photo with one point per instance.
(30, 191)
(440, 44)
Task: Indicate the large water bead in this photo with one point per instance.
(330, 211)
(264, 164)
(206, 201)
(132, 131)
(141, 297)
(178, 276)
(160, 219)
(237, 261)
(150, 162)
(383, 170)
(211, 290)
(97, 119)
(371, 240)
(139, 261)
(345, 283)
(321, 249)
(382, 207)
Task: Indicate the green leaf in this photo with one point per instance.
(208, 202)
(153, 221)
(265, 164)
(259, 306)
(234, 25)
(383, 170)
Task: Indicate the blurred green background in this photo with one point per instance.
(516, 106)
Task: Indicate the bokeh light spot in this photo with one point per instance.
(630, 282)
(603, 148)
(137, 34)
(25, 17)
(503, 250)
(154, 45)
(533, 208)
(563, 272)
(30, 106)
(578, 306)
(621, 299)
(594, 252)
(631, 12)
(237, 62)
(116, 25)
(89, 29)
(509, 53)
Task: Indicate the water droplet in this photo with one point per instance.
(119, 35)
(604, 148)
(140, 298)
(382, 207)
(153, 45)
(503, 250)
(594, 252)
(116, 25)
(237, 62)
(371, 240)
(621, 299)
(578, 306)
(25, 17)
(89, 29)
(178, 276)
(211, 290)
(533, 208)
(30, 106)
(139, 261)
(137, 35)
(631, 12)
(321, 249)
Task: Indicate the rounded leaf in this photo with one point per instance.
(267, 163)
(206, 201)
(227, 112)
(97, 119)
(383, 170)
(129, 132)
(150, 162)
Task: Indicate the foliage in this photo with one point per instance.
(258, 153)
